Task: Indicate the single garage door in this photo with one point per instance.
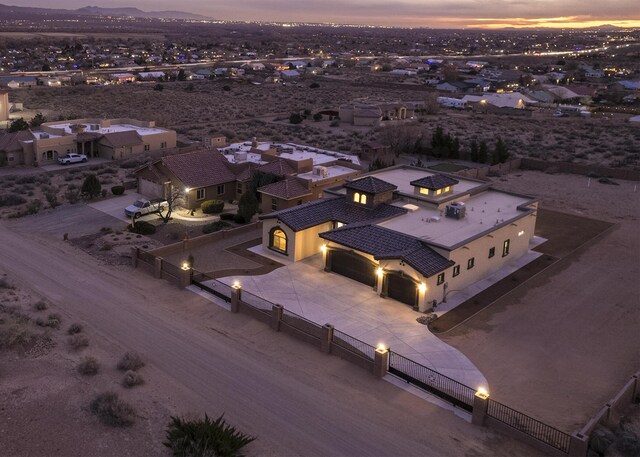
(402, 289)
(353, 266)
(149, 188)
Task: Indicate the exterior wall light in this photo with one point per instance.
(521, 232)
(380, 271)
(187, 189)
(482, 393)
(422, 287)
(323, 248)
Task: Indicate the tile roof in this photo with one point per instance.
(119, 139)
(383, 243)
(10, 142)
(434, 182)
(332, 209)
(287, 189)
(199, 169)
(278, 167)
(370, 185)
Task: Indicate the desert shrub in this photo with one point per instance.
(53, 320)
(295, 118)
(4, 284)
(239, 219)
(205, 437)
(74, 328)
(77, 342)
(212, 206)
(34, 206)
(88, 366)
(130, 361)
(41, 305)
(214, 227)
(103, 192)
(13, 333)
(91, 186)
(142, 228)
(72, 195)
(159, 87)
(601, 439)
(226, 216)
(131, 163)
(11, 200)
(132, 379)
(113, 411)
(314, 85)
(628, 443)
(117, 190)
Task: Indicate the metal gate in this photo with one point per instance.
(352, 266)
(402, 288)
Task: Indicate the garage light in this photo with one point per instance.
(323, 248)
(187, 189)
(380, 271)
(422, 287)
(521, 232)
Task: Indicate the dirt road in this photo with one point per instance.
(296, 399)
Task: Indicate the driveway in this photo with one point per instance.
(305, 289)
(115, 206)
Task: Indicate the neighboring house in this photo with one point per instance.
(370, 112)
(372, 151)
(513, 100)
(283, 194)
(409, 234)
(458, 87)
(16, 82)
(105, 138)
(11, 146)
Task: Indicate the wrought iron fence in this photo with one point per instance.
(302, 324)
(528, 425)
(213, 286)
(354, 345)
(255, 301)
(432, 381)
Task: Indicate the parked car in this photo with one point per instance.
(142, 207)
(72, 158)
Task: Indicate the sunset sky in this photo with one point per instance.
(406, 13)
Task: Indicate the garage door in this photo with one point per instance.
(402, 289)
(150, 189)
(353, 266)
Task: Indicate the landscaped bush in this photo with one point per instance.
(11, 200)
(89, 366)
(77, 342)
(117, 190)
(41, 305)
(215, 227)
(113, 411)
(142, 228)
(74, 328)
(212, 206)
(226, 216)
(130, 361)
(239, 219)
(132, 379)
(53, 320)
(204, 437)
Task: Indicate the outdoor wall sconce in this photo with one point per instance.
(422, 287)
(323, 248)
(482, 393)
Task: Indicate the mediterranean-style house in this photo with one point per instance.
(410, 234)
(105, 138)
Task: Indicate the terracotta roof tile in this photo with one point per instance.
(287, 189)
(199, 169)
(370, 184)
(435, 182)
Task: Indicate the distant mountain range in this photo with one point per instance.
(99, 11)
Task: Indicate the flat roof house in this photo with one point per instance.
(409, 234)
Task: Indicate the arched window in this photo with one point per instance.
(356, 197)
(278, 240)
(363, 199)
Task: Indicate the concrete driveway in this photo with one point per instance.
(115, 206)
(303, 288)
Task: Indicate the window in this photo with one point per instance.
(363, 199)
(239, 188)
(200, 194)
(339, 224)
(356, 197)
(505, 248)
(278, 240)
(220, 189)
(274, 204)
(447, 189)
(163, 145)
(424, 191)
(470, 263)
(438, 192)
(492, 252)
(456, 270)
(360, 198)
(146, 147)
(440, 279)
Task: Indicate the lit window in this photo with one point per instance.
(356, 197)
(438, 192)
(363, 199)
(279, 240)
(440, 279)
(424, 191)
(200, 194)
(339, 224)
(470, 263)
(505, 248)
(492, 252)
(447, 189)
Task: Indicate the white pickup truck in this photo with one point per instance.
(142, 207)
(72, 158)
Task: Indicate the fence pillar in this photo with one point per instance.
(158, 267)
(185, 277)
(480, 404)
(276, 317)
(578, 445)
(326, 338)
(236, 296)
(381, 362)
(134, 257)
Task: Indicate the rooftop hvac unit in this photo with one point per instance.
(455, 210)
(94, 127)
(321, 171)
(44, 135)
(240, 156)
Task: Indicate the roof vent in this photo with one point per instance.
(455, 210)
(411, 207)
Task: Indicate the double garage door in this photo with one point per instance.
(360, 269)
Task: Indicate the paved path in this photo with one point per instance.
(303, 288)
(296, 399)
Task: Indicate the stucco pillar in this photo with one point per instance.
(236, 296)
(158, 267)
(578, 445)
(380, 282)
(422, 297)
(276, 317)
(185, 277)
(381, 362)
(326, 338)
(480, 404)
